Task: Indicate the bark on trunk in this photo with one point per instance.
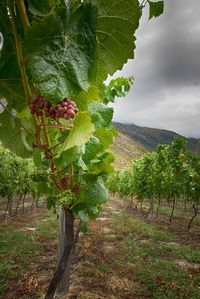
(151, 199)
(63, 286)
(151, 208)
(10, 206)
(18, 202)
(195, 214)
(65, 260)
(157, 212)
(6, 210)
(172, 212)
(23, 203)
(131, 202)
(32, 204)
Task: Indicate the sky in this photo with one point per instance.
(166, 68)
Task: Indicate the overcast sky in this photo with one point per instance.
(166, 92)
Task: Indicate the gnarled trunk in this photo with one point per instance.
(172, 212)
(195, 214)
(158, 206)
(65, 259)
(63, 286)
(18, 202)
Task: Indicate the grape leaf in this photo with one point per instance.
(5, 28)
(84, 97)
(10, 79)
(14, 136)
(62, 47)
(93, 212)
(104, 164)
(106, 135)
(68, 156)
(117, 21)
(94, 192)
(101, 114)
(79, 134)
(155, 8)
(116, 88)
(84, 221)
(92, 148)
(40, 8)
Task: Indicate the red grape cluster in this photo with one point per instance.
(65, 109)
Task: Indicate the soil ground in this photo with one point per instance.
(123, 256)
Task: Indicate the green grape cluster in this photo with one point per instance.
(67, 198)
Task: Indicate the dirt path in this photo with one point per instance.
(100, 272)
(121, 257)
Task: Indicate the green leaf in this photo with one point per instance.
(94, 192)
(83, 216)
(84, 97)
(81, 164)
(117, 88)
(40, 8)
(68, 156)
(84, 227)
(155, 8)
(14, 136)
(79, 134)
(5, 26)
(104, 164)
(117, 21)
(101, 114)
(93, 212)
(37, 156)
(10, 79)
(92, 148)
(106, 136)
(84, 221)
(62, 49)
(51, 202)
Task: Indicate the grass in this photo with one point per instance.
(141, 264)
(153, 255)
(163, 279)
(20, 248)
(132, 227)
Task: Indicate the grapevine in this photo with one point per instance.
(170, 173)
(52, 53)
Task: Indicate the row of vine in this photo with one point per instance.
(170, 174)
(19, 178)
(54, 61)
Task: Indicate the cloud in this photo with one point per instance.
(166, 92)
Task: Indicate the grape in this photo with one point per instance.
(65, 109)
(65, 116)
(70, 106)
(71, 113)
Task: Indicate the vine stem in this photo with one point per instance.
(22, 11)
(55, 127)
(47, 139)
(20, 57)
(25, 22)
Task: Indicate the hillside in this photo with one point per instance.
(125, 150)
(151, 137)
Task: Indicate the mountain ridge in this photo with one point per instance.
(151, 137)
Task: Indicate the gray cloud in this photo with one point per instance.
(166, 92)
